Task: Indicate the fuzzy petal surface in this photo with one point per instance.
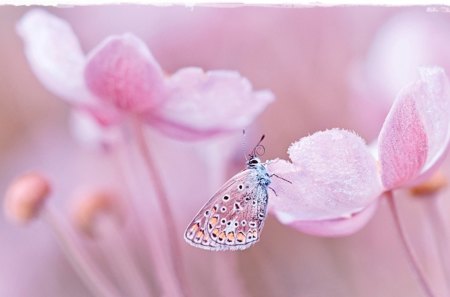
(122, 71)
(333, 176)
(415, 134)
(434, 108)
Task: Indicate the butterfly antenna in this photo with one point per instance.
(255, 151)
(243, 144)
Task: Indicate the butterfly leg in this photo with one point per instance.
(275, 192)
(281, 178)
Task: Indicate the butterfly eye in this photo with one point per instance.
(253, 161)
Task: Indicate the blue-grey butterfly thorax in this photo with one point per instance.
(263, 176)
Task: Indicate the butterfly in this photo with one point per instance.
(234, 217)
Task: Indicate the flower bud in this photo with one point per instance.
(25, 197)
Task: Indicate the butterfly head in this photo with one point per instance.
(253, 162)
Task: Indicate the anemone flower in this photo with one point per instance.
(117, 91)
(336, 181)
(101, 203)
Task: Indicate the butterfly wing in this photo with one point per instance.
(233, 218)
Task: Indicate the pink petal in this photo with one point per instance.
(415, 135)
(55, 55)
(333, 175)
(434, 107)
(90, 133)
(336, 227)
(206, 103)
(122, 71)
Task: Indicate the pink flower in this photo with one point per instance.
(336, 181)
(303, 57)
(120, 77)
(117, 91)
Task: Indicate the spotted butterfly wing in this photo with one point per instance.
(234, 217)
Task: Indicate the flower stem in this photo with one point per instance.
(166, 281)
(412, 258)
(439, 227)
(163, 201)
(117, 253)
(85, 268)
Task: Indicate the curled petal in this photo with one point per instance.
(434, 107)
(332, 175)
(335, 227)
(415, 134)
(402, 144)
(206, 103)
(122, 71)
(55, 55)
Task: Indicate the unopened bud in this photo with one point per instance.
(90, 206)
(25, 197)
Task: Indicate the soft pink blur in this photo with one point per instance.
(308, 57)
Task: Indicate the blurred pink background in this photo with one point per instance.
(307, 56)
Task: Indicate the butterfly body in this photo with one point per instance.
(234, 217)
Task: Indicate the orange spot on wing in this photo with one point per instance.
(241, 237)
(194, 228)
(199, 234)
(230, 236)
(222, 236)
(213, 221)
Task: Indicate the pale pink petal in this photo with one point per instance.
(206, 103)
(55, 55)
(415, 134)
(434, 107)
(333, 176)
(336, 227)
(90, 133)
(122, 71)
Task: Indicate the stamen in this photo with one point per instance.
(25, 197)
(96, 215)
(430, 186)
